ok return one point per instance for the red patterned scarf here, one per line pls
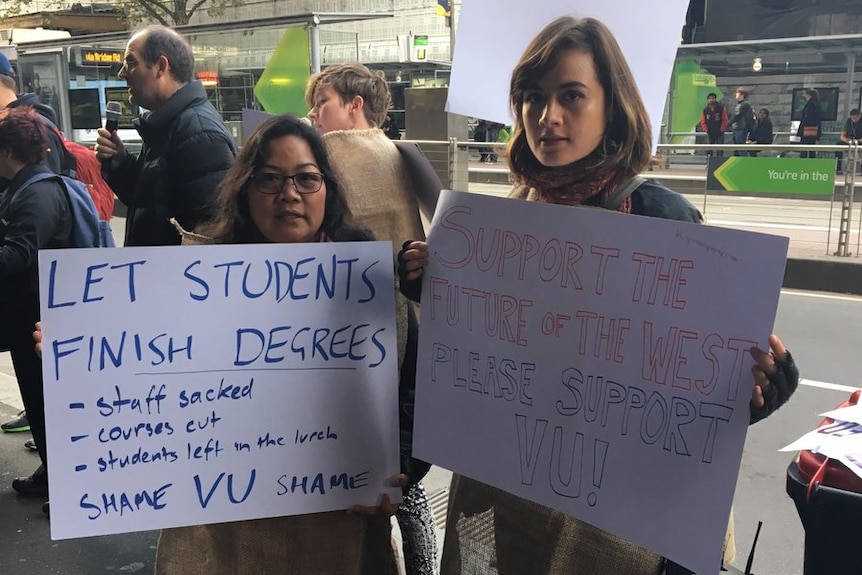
(578, 183)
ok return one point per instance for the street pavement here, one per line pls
(26, 548)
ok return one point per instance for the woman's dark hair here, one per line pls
(233, 223)
(812, 93)
(627, 141)
(23, 134)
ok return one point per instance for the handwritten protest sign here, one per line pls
(595, 362)
(203, 384)
(839, 439)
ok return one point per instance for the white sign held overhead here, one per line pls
(648, 33)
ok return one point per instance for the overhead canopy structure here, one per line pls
(311, 19)
(777, 46)
(798, 56)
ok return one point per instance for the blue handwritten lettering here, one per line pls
(124, 503)
(318, 484)
(144, 429)
(89, 281)
(204, 500)
(213, 394)
(137, 457)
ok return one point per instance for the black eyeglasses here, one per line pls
(273, 183)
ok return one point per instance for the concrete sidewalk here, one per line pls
(25, 539)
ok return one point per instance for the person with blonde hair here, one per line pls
(388, 184)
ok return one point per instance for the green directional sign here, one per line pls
(810, 176)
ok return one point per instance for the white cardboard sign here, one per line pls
(203, 384)
(492, 35)
(595, 362)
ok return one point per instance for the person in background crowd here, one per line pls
(186, 147)
(9, 98)
(32, 217)
(851, 133)
(713, 121)
(390, 128)
(581, 135)
(480, 134)
(743, 122)
(492, 134)
(809, 125)
(762, 134)
(386, 184)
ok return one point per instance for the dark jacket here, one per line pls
(186, 151)
(54, 159)
(762, 134)
(714, 121)
(810, 117)
(656, 201)
(743, 117)
(31, 219)
(852, 130)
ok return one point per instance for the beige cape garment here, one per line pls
(372, 174)
(378, 189)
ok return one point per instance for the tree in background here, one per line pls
(166, 12)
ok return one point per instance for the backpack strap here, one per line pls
(622, 193)
(86, 230)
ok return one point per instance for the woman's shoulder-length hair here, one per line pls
(233, 223)
(627, 141)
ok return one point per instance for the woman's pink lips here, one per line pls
(552, 140)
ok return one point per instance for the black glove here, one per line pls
(782, 384)
(412, 289)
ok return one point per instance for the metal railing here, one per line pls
(813, 225)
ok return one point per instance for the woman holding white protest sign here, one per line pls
(281, 189)
(581, 137)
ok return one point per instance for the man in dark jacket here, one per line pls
(186, 147)
(850, 134)
(742, 122)
(713, 121)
